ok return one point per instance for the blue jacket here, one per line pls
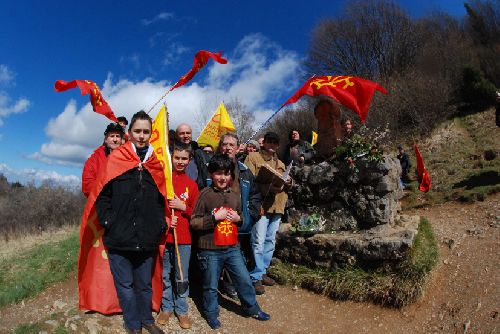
(251, 199)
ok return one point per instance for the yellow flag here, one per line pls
(314, 138)
(219, 124)
(159, 140)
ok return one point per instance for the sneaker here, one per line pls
(184, 321)
(214, 323)
(262, 316)
(259, 288)
(153, 329)
(163, 317)
(266, 280)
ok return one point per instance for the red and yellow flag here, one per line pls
(352, 92)
(423, 174)
(159, 140)
(96, 289)
(99, 105)
(219, 124)
(200, 60)
(225, 232)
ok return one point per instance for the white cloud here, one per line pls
(6, 75)
(37, 176)
(7, 108)
(134, 60)
(259, 73)
(173, 53)
(163, 16)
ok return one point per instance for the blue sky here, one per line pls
(135, 50)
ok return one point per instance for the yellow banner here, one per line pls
(314, 138)
(159, 140)
(219, 124)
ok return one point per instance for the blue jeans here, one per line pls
(263, 243)
(211, 264)
(172, 301)
(132, 277)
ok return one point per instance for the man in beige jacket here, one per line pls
(273, 207)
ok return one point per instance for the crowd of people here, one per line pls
(219, 230)
(223, 219)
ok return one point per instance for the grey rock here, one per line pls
(59, 304)
(371, 195)
(383, 243)
(52, 323)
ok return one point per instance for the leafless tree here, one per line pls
(483, 25)
(242, 118)
(373, 39)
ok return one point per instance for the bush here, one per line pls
(30, 209)
(476, 89)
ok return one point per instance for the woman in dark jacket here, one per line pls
(130, 208)
(297, 150)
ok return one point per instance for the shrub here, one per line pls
(30, 209)
(476, 89)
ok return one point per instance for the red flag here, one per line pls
(200, 60)
(96, 289)
(352, 92)
(99, 105)
(423, 175)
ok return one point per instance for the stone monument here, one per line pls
(328, 115)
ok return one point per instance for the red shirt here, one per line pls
(187, 190)
(94, 163)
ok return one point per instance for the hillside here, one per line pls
(463, 158)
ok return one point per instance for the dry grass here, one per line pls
(24, 243)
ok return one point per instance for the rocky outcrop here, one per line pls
(348, 198)
(379, 245)
(355, 211)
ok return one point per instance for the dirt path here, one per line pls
(463, 295)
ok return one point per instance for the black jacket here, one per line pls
(304, 149)
(131, 210)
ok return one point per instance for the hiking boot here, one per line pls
(229, 290)
(214, 323)
(153, 329)
(262, 316)
(163, 318)
(259, 288)
(184, 321)
(266, 280)
(132, 331)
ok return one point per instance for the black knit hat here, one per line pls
(271, 136)
(114, 127)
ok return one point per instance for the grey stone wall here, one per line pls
(359, 212)
(348, 199)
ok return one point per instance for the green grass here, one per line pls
(27, 274)
(41, 326)
(28, 329)
(396, 287)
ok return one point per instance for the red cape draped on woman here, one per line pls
(95, 283)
